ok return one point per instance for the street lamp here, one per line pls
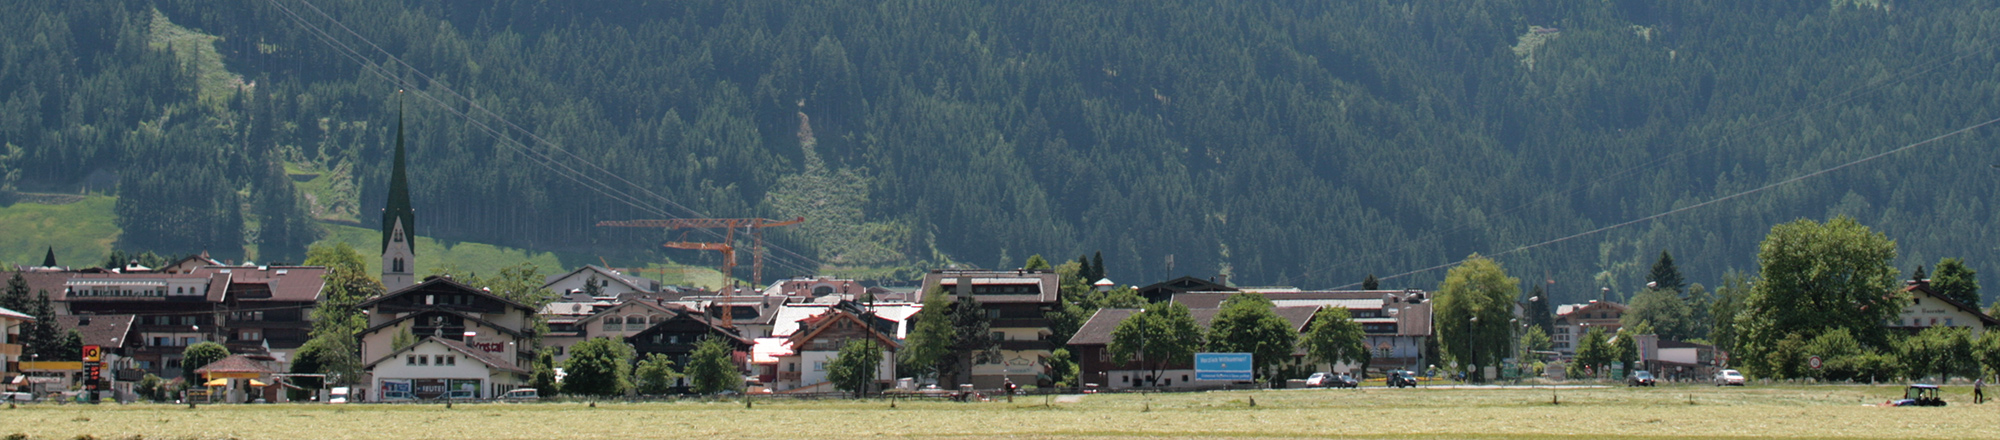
(1471, 356)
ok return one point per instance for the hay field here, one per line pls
(1666, 412)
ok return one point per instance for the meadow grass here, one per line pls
(81, 232)
(1664, 412)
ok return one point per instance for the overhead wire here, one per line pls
(555, 164)
(530, 134)
(1740, 194)
(1870, 87)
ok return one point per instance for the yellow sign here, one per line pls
(51, 366)
(92, 353)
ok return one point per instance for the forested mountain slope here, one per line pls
(1287, 142)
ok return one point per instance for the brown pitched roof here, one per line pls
(287, 283)
(1413, 319)
(109, 331)
(448, 282)
(1097, 330)
(1299, 316)
(38, 282)
(1203, 300)
(234, 364)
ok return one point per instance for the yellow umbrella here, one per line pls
(258, 383)
(217, 383)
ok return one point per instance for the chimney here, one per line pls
(1222, 279)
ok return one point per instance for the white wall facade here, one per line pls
(439, 362)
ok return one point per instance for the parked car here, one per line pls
(522, 395)
(338, 395)
(1729, 377)
(1317, 380)
(1345, 381)
(1641, 378)
(1402, 378)
(1919, 395)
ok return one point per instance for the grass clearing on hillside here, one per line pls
(1665, 412)
(81, 232)
(479, 258)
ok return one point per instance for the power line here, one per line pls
(1843, 98)
(1712, 201)
(560, 166)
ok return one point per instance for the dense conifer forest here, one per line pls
(1293, 142)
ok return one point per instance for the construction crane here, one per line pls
(727, 247)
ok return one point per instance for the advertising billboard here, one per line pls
(1223, 366)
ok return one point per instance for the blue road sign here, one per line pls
(1222, 366)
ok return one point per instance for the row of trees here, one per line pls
(1826, 290)
(1165, 334)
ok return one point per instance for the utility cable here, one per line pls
(1843, 98)
(547, 161)
(1710, 201)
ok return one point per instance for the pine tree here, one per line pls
(1371, 283)
(16, 296)
(1665, 275)
(1097, 266)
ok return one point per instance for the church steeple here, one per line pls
(50, 260)
(399, 221)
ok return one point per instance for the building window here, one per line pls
(189, 341)
(675, 339)
(187, 320)
(998, 336)
(249, 335)
(398, 263)
(993, 313)
(423, 360)
(819, 366)
(409, 360)
(1947, 322)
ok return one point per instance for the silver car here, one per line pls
(1729, 377)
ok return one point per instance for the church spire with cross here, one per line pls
(399, 221)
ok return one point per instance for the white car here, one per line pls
(1319, 380)
(1729, 377)
(522, 395)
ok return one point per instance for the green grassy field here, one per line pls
(1665, 412)
(81, 232)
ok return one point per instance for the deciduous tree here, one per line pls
(656, 375)
(598, 367)
(712, 369)
(1473, 311)
(1335, 338)
(1248, 323)
(1165, 333)
(1957, 282)
(200, 355)
(854, 368)
(1812, 278)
